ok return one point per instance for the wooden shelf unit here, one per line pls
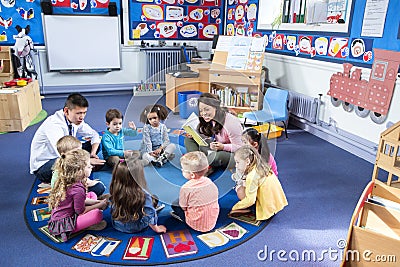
(239, 90)
(6, 70)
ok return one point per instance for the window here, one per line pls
(305, 15)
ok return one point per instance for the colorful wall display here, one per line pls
(171, 19)
(24, 13)
(242, 18)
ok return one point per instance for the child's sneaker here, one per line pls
(160, 207)
(157, 163)
(174, 215)
(98, 226)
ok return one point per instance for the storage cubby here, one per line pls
(6, 68)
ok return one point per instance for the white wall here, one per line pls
(312, 77)
(132, 71)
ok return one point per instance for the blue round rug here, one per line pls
(179, 244)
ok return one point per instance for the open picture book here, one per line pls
(190, 126)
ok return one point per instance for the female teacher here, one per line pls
(221, 128)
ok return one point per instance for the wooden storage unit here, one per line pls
(174, 85)
(18, 109)
(6, 70)
(375, 224)
(239, 86)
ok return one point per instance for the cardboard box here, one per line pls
(18, 109)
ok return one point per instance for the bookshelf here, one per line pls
(236, 74)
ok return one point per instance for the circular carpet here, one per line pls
(109, 246)
(40, 117)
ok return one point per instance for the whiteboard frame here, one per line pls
(82, 43)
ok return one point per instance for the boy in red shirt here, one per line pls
(198, 198)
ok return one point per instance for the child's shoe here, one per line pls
(160, 207)
(174, 215)
(157, 163)
(98, 226)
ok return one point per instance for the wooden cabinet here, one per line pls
(174, 85)
(238, 90)
(6, 68)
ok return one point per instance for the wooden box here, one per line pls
(18, 109)
(374, 233)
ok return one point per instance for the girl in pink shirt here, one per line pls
(198, 198)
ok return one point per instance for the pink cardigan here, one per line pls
(231, 133)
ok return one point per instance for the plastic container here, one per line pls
(187, 102)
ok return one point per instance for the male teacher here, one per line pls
(67, 121)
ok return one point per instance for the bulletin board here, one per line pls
(175, 19)
(339, 47)
(24, 13)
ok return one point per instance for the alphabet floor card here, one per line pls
(87, 243)
(39, 200)
(245, 217)
(214, 239)
(97, 245)
(233, 231)
(139, 248)
(105, 247)
(178, 243)
(41, 214)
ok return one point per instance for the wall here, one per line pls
(312, 77)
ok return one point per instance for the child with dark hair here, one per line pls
(113, 139)
(132, 206)
(156, 146)
(252, 137)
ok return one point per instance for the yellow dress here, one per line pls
(265, 192)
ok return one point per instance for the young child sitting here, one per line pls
(261, 186)
(68, 143)
(252, 137)
(67, 199)
(113, 139)
(156, 147)
(198, 198)
(132, 206)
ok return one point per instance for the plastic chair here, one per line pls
(275, 108)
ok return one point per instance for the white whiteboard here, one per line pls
(82, 43)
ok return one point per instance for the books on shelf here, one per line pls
(239, 97)
(178, 243)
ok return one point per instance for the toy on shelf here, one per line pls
(371, 97)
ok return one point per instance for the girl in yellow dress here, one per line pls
(257, 184)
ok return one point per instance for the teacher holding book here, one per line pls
(222, 131)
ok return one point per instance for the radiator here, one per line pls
(160, 62)
(302, 106)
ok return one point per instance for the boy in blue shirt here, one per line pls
(113, 139)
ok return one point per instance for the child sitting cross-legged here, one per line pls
(112, 140)
(198, 198)
(132, 206)
(259, 187)
(67, 143)
(67, 200)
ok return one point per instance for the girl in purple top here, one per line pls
(222, 129)
(71, 211)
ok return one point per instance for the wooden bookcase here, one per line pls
(6, 70)
(239, 90)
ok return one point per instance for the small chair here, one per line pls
(275, 108)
